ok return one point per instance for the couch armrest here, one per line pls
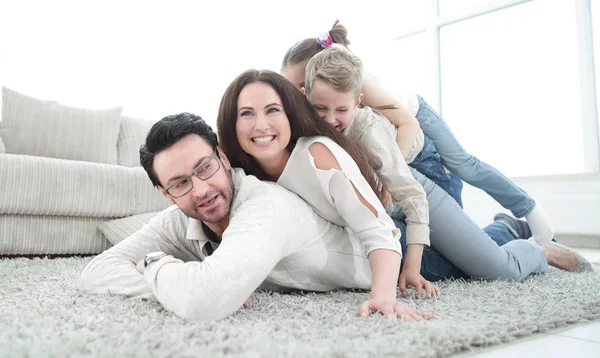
(49, 186)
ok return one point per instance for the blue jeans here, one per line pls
(429, 163)
(468, 168)
(435, 267)
(459, 248)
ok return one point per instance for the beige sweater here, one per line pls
(274, 241)
(378, 139)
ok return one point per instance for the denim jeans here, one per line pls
(459, 248)
(435, 267)
(468, 168)
(429, 163)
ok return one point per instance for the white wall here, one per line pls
(156, 58)
(572, 202)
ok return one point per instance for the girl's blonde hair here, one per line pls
(336, 66)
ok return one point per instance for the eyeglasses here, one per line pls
(205, 170)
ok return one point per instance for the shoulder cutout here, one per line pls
(324, 158)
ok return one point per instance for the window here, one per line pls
(596, 37)
(451, 8)
(405, 66)
(510, 88)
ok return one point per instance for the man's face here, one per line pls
(209, 200)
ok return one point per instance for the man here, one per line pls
(265, 235)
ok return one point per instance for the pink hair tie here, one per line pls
(325, 40)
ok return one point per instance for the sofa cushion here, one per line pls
(49, 186)
(50, 235)
(118, 230)
(2, 148)
(132, 136)
(49, 129)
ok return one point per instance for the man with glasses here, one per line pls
(227, 235)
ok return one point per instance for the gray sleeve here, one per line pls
(388, 162)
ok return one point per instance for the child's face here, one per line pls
(335, 108)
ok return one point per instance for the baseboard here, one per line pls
(582, 241)
(571, 202)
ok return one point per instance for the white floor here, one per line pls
(580, 341)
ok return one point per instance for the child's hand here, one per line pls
(412, 277)
(391, 308)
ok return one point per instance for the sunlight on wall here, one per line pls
(156, 59)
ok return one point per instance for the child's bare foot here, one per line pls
(566, 259)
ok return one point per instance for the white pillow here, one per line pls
(118, 230)
(132, 136)
(2, 148)
(49, 129)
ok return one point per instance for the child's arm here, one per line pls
(406, 124)
(411, 274)
(387, 161)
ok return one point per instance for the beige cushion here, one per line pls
(48, 186)
(49, 129)
(132, 136)
(118, 230)
(50, 235)
(2, 148)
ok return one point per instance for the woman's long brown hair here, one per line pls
(304, 122)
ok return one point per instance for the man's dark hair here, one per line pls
(169, 131)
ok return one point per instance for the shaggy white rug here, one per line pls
(45, 314)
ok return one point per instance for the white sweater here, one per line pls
(331, 194)
(274, 240)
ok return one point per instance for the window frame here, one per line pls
(587, 76)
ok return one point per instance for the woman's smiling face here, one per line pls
(262, 126)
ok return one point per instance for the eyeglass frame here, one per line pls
(194, 174)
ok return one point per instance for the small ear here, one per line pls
(359, 99)
(223, 158)
(303, 90)
(167, 196)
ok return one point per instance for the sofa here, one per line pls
(65, 172)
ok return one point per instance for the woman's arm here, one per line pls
(363, 218)
(407, 126)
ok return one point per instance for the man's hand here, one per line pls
(412, 277)
(392, 308)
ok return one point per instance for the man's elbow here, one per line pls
(199, 310)
(87, 280)
(94, 278)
